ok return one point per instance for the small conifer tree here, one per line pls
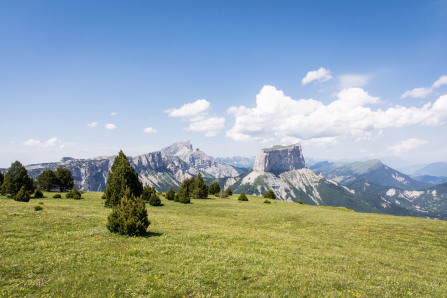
(147, 193)
(22, 195)
(154, 200)
(170, 194)
(74, 194)
(270, 194)
(47, 180)
(15, 178)
(200, 189)
(64, 179)
(228, 192)
(121, 176)
(38, 194)
(129, 217)
(214, 188)
(243, 197)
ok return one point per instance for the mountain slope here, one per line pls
(373, 171)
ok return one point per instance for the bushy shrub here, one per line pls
(38, 194)
(243, 197)
(176, 197)
(270, 194)
(267, 202)
(74, 194)
(170, 194)
(154, 200)
(22, 195)
(228, 192)
(41, 203)
(300, 202)
(38, 208)
(57, 196)
(129, 217)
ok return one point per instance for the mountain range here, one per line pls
(369, 186)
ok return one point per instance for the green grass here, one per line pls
(218, 247)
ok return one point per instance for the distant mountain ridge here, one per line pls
(373, 171)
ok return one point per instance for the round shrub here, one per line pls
(22, 195)
(40, 203)
(243, 197)
(270, 194)
(57, 196)
(38, 208)
(300, 202)
(73, 194)
(38, 194)
(228, 192)
(267, 202)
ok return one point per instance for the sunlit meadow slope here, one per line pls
(218, 247)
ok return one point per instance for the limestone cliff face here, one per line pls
(280, 159)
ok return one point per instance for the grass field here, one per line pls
(218, 247)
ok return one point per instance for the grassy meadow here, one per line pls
(218, 248)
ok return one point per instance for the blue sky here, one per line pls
(231, 76)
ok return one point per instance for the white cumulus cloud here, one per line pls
(93, 124)
(320, 75)
(110, 126)
(406, 145)
(150, 130)
(193, 110)
(197, 114)
(423, 92)
(277, 116)
(211, 126)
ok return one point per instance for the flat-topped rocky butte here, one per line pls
(280, 159)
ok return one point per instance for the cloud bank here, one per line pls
(277, 116)
(406, 145)
(51, 143)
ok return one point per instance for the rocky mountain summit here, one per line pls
(162, 169)
(280, 159)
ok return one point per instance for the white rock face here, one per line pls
(280, 159)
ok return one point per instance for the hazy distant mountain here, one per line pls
(434, 169)
(237, 161)
(373, 171)
(433, 180)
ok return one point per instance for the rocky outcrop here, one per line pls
(280, 159)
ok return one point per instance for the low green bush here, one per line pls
(38, 208)
(243, 197)
(38, 194)
(22, 195)
(267, 202)
(57, 196)
(300, 202)
(154, 200)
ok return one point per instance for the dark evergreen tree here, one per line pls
(64, 179)
(154, 200)
(243, 197)
(185, 191)
(1, 179)
(270, 194)
(47, 180)
(200, 189)
(228, 192)
(214, 188)
(129, 216)
(15, 178)
(121, 176)
(170, 194)
(147, 193)
(22, 195)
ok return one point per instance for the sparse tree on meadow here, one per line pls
(15, 178)
(200, 190)
(154, 200)
(64, 179)
(47, 180)
(170, 194)
(243, 197)
(129, 216)
(121, 176)
(147, 193)
(270, 194)
(214, 188)
(228, 192)
(185, 191)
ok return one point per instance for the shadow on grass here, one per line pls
(151, 234)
